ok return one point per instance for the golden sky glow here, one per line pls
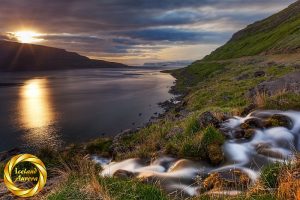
(27, 36)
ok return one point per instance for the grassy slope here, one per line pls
(279, 33)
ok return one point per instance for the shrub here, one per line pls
(211, 145)
(269, 175)
(212, 136)
(192, 126)
(100, 146)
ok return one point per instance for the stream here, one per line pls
(267, 145)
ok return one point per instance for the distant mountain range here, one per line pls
(16, 56)
(170, 64)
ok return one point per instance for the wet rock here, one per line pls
(123, 174)
(207, 118)
(252, 123)
(248, 109)
(249, 133)
(259, 74)
(173, 132)
(269, 153)
(265, 149)
(238, 133)
(180, 164)
(278, 120)
(215, 154)
(8, 154)
(227, 180)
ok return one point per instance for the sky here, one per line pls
(133, 31)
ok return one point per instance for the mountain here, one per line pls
(26, 57)
(277, 34)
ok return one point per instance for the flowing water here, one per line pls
(279, 143)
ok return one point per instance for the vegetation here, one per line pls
(220, 84)
(277, 34)
(81, 181)
(270, 174)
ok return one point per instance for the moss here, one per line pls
(270, 174)
(215, 154)
(211, 135)
(211, 145)
(100, 146)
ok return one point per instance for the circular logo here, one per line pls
(11, 167)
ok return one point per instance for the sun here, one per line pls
(27, 36)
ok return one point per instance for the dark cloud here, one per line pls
(123, 26)
(175, 35)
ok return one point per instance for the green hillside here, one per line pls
(277, 34)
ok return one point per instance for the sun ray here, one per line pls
(27, 36)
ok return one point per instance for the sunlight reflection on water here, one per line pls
(36, 114)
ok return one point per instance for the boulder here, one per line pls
(259, 74)
(278, 120)
(252, 123)
(215, 154)
(288, 83)
(249, 133)
(123, 174)
(207, 118)
(227, 180)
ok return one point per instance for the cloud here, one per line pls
(176, 35)
(123, 27)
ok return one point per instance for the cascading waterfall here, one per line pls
(267, 145)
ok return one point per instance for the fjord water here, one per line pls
(57, 107)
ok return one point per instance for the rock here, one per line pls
(249, 133)
(242, 77)
(215, 154)
(278, 120)
(252, 123)
(266, 151)
(248, 109)
(238, 133)
(259, 74)
(288, 83)
(8, 154)
(173, 132)
(181, 164)
(123, 174)
(207, 118)
(227, 180)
